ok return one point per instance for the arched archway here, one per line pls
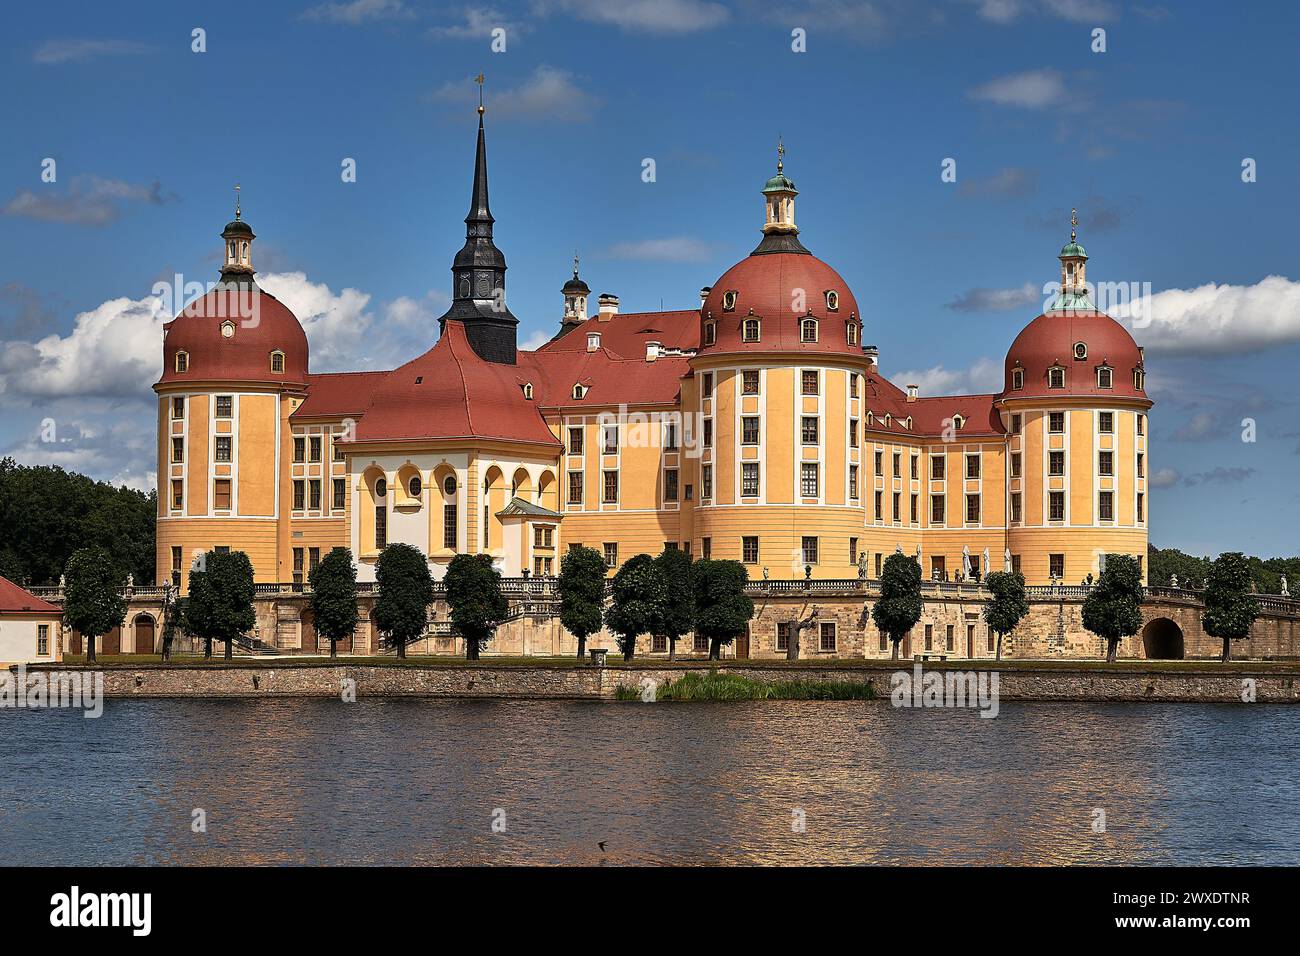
(143, 625)
(1162, 639)
(547, 491)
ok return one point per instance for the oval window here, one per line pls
(449, 485)
(1080, 351)
(416, 486)
(381, 487)
(729, 300)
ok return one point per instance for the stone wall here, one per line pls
(1170, 682)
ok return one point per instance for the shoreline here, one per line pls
(563, 679)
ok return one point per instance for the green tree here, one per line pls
(92, 599)
(477, 605)
(47, 513)
(1113, 608)
(1230, 608)
(220, 604)
(173, 622)
(1009, 605)
(676, 613)
(582, 594)
(722, 608)
(405, 593)
(334, 597)
(899, 606)
(636, 601)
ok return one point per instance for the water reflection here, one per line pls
(417, 781)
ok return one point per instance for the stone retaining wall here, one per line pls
(600, 683)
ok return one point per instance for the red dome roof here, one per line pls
(259, 324)
(1051, 340)
(767, 284)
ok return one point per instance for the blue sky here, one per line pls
(1147, 139)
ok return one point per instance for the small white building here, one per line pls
(30, 629)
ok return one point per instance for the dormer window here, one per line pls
(889, 419)
(710, 333)
(832, 301)
(907, 423)
(1104, 377)
(750, 330)
(1080, 351)
(1056, 377)
(729, 300)
(579, 390)
(182, 361)
(277, 362)
(958, 422)
(808, 330)
(851, 332)
(593, 341)
(1139, 378)
(1017, 378)
(871, 419)
(528, 391)
(227, 330)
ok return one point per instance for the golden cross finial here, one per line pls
(479, 80)
(575, 263)
(236, 200)
(1074, 221)
(780, 154)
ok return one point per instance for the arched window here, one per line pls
(1104, 377)
(1139, 378)
(579, 391)
(277, 362)
(851, 332)
(182, 361)
(710, 333)
(528, 391)
(1017, 378)
(808, 330)
(1056, 377)
(750, 330)
(958, 422)
(729, 300)
(244, 250)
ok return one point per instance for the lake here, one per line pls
(407, 781)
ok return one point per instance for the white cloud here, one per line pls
(1164, 478)
(644, 16)
(984, 376)
(672, 249)
(997, 300)
(548, 94)
(1218, 319)
(358, 11)
(78, 50)
(1033, 90)
(88, 200)
(476, 22)
(1075, 11)
(116, 445)
(536, 340)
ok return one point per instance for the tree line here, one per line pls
(670, 595)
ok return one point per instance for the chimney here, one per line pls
(872, 353)
(608, 304)
(593, 340)
(651, 351)
(911, 393)
(704, 293)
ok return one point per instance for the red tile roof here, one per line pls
(338, 394)
(928, 415)
(449, 392)
(16, 601)
(625, 335)
(1050, 339)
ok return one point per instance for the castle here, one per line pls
(757, 427)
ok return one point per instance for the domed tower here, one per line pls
(1075, 407)
(234, 368)
(575, 293)
(779, 378)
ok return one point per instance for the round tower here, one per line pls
(234, 368)
(1075, 407)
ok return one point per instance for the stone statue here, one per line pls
(965, 561)
(984, 568)
(1006, 560)
(1286, 592)
(1173, 580)
(862, 566)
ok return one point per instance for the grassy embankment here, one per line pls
(715, 686)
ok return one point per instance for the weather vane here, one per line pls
(1074, 221)
(479, 80)
(236, 200)
(780, 153)
(575, 263)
